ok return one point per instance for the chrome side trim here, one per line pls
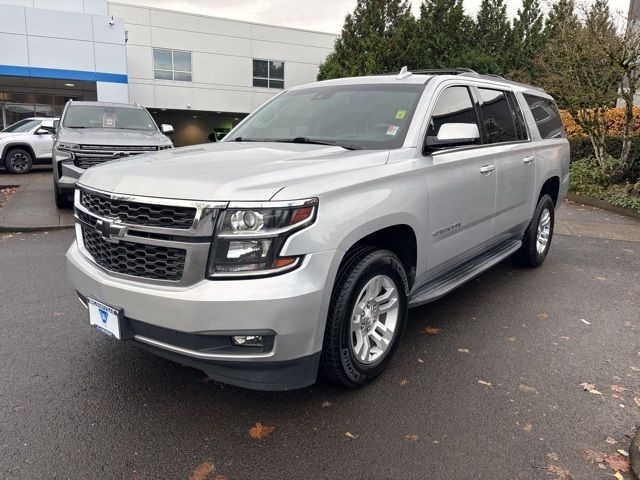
(201, 355)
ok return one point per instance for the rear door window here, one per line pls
(547, 117)
(497, 116)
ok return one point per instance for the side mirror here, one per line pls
(454, 135)
(166, 129)
(43, 131)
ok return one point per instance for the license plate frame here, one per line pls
(105, 318)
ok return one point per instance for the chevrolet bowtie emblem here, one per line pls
(108, 231)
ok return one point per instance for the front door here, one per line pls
(43, 143)
(461, 184)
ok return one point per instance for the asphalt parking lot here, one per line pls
(490, 390)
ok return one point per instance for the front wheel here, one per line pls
(18, 160)
(366, 318)
(537, 237)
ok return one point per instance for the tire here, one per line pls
(342, 361)
(18, 160)
(532, 253)
(62, 200)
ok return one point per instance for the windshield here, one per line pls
(22, 126)
(365, 116)
(100, 116)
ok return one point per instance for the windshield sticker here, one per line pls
(108, 121)
(400, 115)
(392, 130)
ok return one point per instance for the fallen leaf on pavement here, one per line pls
(553, 456)
(637, 400)
(404, 381)
(565, 338)
(584, 321)
(58, 314)
(413, 438)
(617, 388)
(600, 278)
(635, 369)
(202, 471)
(482, 382)
(511, 339)
(613, 461)
(326, 404)
(618, 476)
(527, 427)
(591, 388)
(431, 330)
(526, 388)
(350, 435)
(610, 440)
(616, 396)
(260, 431)
(559, 472)
(420, 360)
(543, 315)
(623, 452)
(463, 350)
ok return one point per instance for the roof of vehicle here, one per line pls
(423, 76)
(40, 118)
(106, 104)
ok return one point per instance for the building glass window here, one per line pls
(268, 73)
(171, 65)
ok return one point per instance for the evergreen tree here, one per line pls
(492, 35)
(527, 40)
(442, 38)
(376, 38)
(562, 15)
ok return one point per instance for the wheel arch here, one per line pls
(10, 146)
(551, 187)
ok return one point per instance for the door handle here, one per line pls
(528, 160)
(487, 169)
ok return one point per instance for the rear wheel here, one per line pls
(537, 237)
(18, 160)
(366, 318)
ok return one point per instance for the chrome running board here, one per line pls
(442, 285)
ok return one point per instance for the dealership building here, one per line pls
(202, 74)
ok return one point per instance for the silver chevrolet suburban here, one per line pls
(298, 243)
(91, 133)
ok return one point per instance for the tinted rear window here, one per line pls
(497, 116)
(546, 116)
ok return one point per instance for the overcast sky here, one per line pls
(322, 15)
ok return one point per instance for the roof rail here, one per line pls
(445, 71)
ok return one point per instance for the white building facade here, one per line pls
(202, 74)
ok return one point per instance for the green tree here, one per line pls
(583, 80)
(442, 36)
(561, 16)
(492, 36)
(376, 38)
(527, 40)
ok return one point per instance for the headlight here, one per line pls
(248, 240)
(67, 147)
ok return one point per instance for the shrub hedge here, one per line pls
(581, 147)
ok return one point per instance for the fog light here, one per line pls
(248, 340)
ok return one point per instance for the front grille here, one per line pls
(138, 213)
(140, 260)
(87, 156)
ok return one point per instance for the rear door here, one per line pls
(513, 153)
(461, 183)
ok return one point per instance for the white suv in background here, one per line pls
(26, 143)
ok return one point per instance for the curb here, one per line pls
(596, 202)
(634, 454)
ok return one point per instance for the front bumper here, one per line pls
(67, 174)
(291, 307)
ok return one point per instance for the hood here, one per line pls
(4, 135)
(226, 171)
(111, 136)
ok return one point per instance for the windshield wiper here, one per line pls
(317, 141)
